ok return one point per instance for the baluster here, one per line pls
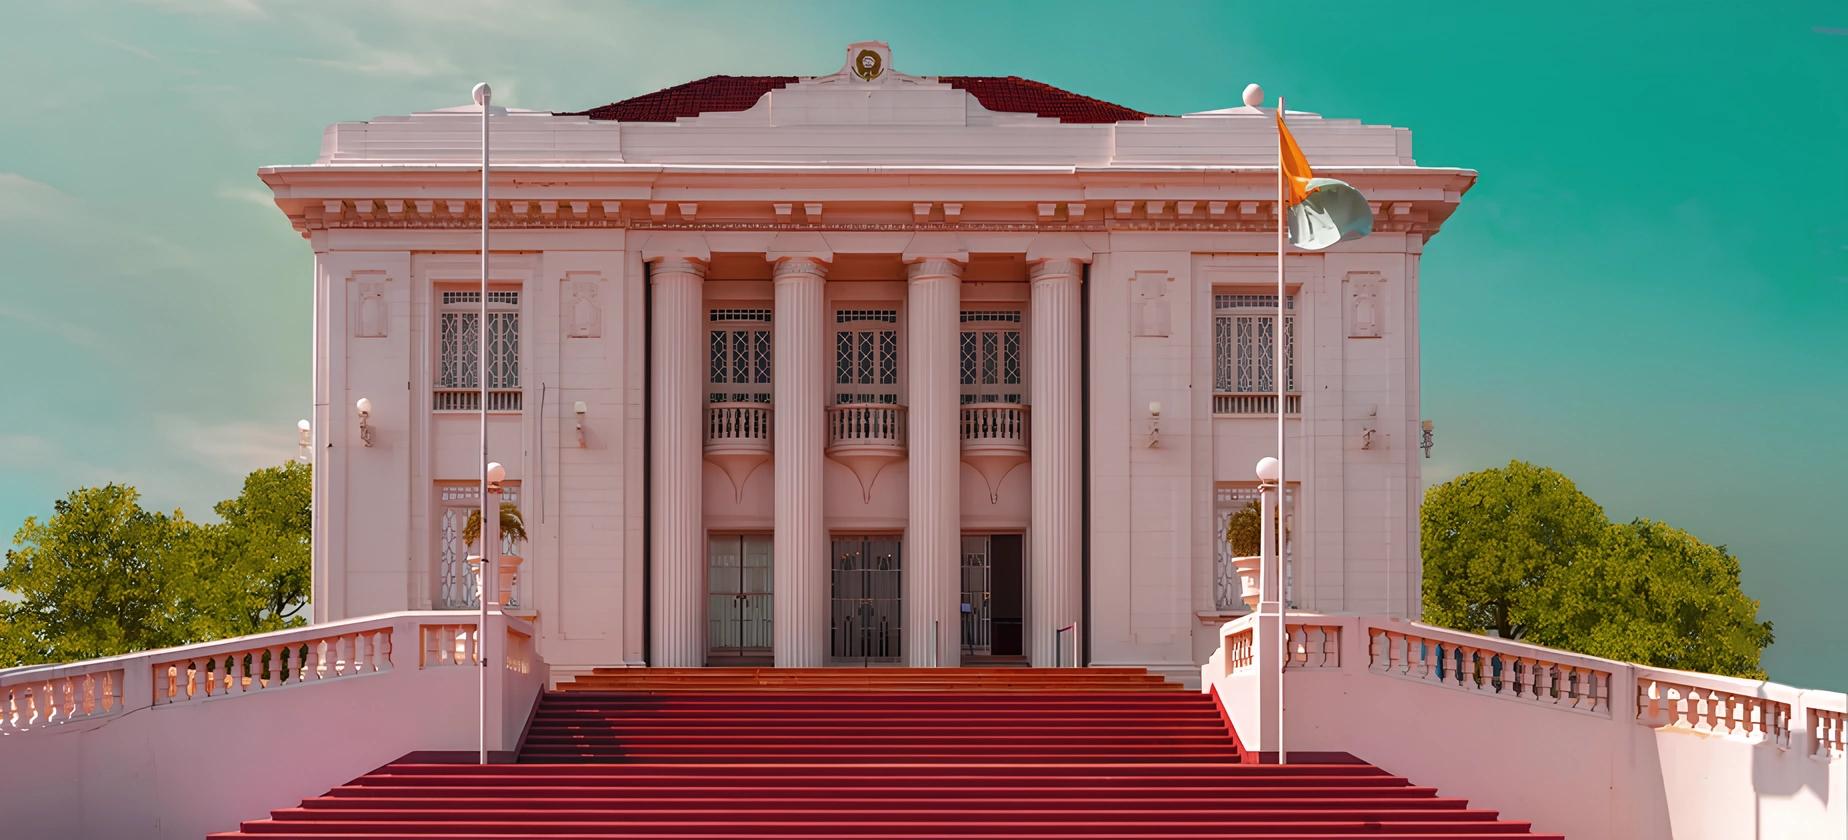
(310, 668)
(237, 673)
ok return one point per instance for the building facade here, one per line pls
(863, 367)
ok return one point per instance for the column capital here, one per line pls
(926, 268)
(678, 264)
(791, 265)
(1054, 268)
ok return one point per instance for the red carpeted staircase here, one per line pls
(970, 754)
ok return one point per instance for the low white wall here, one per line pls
(1744, 762)
(190, 766)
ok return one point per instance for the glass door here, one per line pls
(867, 606)
(738, 601)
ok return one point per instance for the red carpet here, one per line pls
(972, 754)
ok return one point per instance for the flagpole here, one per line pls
(483, 95)
(1277, 376)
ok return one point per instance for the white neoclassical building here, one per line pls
(860, 367)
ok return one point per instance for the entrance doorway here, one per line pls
(867, 605)
(992, 602)
(738, 606)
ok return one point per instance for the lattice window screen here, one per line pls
(458, 371)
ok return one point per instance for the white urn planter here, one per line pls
(1248, 569)
(509, 570)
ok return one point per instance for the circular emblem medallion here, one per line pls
(868, 65)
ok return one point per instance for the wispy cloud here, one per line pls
(248, 195)
(234, 9)
(25, 199)
(70, 331)
(227, 447)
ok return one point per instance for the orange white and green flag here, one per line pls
(1322, 211)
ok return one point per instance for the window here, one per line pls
(458, 583)
(458, 377)
(1229, 499)
(738, 342)
(1244, 342)
(991, 369)
(866, 356)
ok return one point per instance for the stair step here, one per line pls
(989, 753)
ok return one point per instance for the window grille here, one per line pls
(990, 355)
(849, 316)
(458, 379)
(990, 316)
(738, 352)
(760, 316)
(866, 356)
(1229, 499)
(458, 584)
(1244, 342)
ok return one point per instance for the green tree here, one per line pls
(250, 572)
(1490, 540)
(95, 579)
(1653, 593)
(1521, 552)
(102, 576)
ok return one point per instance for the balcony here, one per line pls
(994, 441)
(738, 439)
(865, 437)
(1241, 404)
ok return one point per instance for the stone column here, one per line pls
(800, 576)
(676, 416)
(932, 560)
(1054, 359)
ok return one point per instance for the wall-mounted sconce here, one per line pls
(581, 410)
(1154, 424)
(304, 438)
(1427, 443)
(364, 408)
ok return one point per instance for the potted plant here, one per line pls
(1244, 532)
(513, 529)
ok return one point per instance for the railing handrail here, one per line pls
(238, 643)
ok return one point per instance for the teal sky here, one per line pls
(1647, 289)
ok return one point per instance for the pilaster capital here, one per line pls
(677, 266)
(927, 268)
(935, 254)
(798, 266)
(1055, 268)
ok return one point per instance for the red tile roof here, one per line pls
(715, 94)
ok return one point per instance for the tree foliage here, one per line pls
(1520, 551)
(1244, 530)
(103, 576)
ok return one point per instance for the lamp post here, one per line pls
(1271, 604)
(490, 516)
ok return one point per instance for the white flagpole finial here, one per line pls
(482, 93)
(1254, 95)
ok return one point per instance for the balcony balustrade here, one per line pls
(994, 441)
(739, 439)
(866, 437)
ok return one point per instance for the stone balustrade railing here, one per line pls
(41, 697)
(738, 425)
(1492, 666)
(1685, 700)
(1560, 741)
(1828, 733)
(866, 424)
(58, 696)
(994, 425)
(270, 661)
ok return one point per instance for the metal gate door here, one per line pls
(977, 595)
(867, 605)
(738, 597)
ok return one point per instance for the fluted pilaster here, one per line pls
(1053, 352)
(800, 576)
(933, 553)
(675, 414)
